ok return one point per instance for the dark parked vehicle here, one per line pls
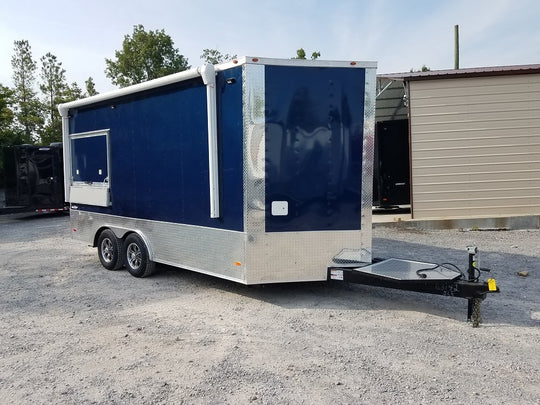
(391, 185)
(34, 178)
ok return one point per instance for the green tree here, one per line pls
(424, 68)
(215, 57)
(90, 87)
(8, 136)
(28, 111)
(53, 86)
(144, 56)
(56, 90)
(72, 92)
(301, 54)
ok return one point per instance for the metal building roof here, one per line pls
(460, 73)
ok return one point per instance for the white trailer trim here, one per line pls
(91, 195)
(208, 75)
(136, 88)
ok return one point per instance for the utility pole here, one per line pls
(456, 47)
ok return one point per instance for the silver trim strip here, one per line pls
(67, 156)
(306, 62)
(367, 164)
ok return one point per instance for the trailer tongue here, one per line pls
(441, 279)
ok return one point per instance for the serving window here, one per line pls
(90, 180)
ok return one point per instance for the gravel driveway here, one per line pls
(75, 333)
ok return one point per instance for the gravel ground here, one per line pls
(74, 333)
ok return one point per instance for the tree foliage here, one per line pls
(424, 68)
(7, 116)
(53, 86)
(144, 56)
(301, 54)
(7, 136)
(25, 116)
(73, 92)
(90, 87)
(28, 110)
(56, 90)
(215, 57)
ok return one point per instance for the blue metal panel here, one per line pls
(89, 159)
(314, 131)
(159, 152)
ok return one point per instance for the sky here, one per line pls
(398, 35)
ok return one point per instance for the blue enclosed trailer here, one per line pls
(258, 171)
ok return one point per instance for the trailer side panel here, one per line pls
(159, 153)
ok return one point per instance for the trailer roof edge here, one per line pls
(136, 88)
(309, 62)
(195, 72)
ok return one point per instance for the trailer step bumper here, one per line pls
(403, 270)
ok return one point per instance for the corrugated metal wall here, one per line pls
(390, 104)
(475, 146)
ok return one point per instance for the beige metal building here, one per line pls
(474, 140)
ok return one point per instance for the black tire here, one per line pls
(110, 250)
(136, 256)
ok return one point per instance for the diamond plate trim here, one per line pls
(180, 245)
(367, 164)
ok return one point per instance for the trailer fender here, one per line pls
(146, 242)
(122, 233)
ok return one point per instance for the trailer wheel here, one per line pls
(136, 256)
(110, 250)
